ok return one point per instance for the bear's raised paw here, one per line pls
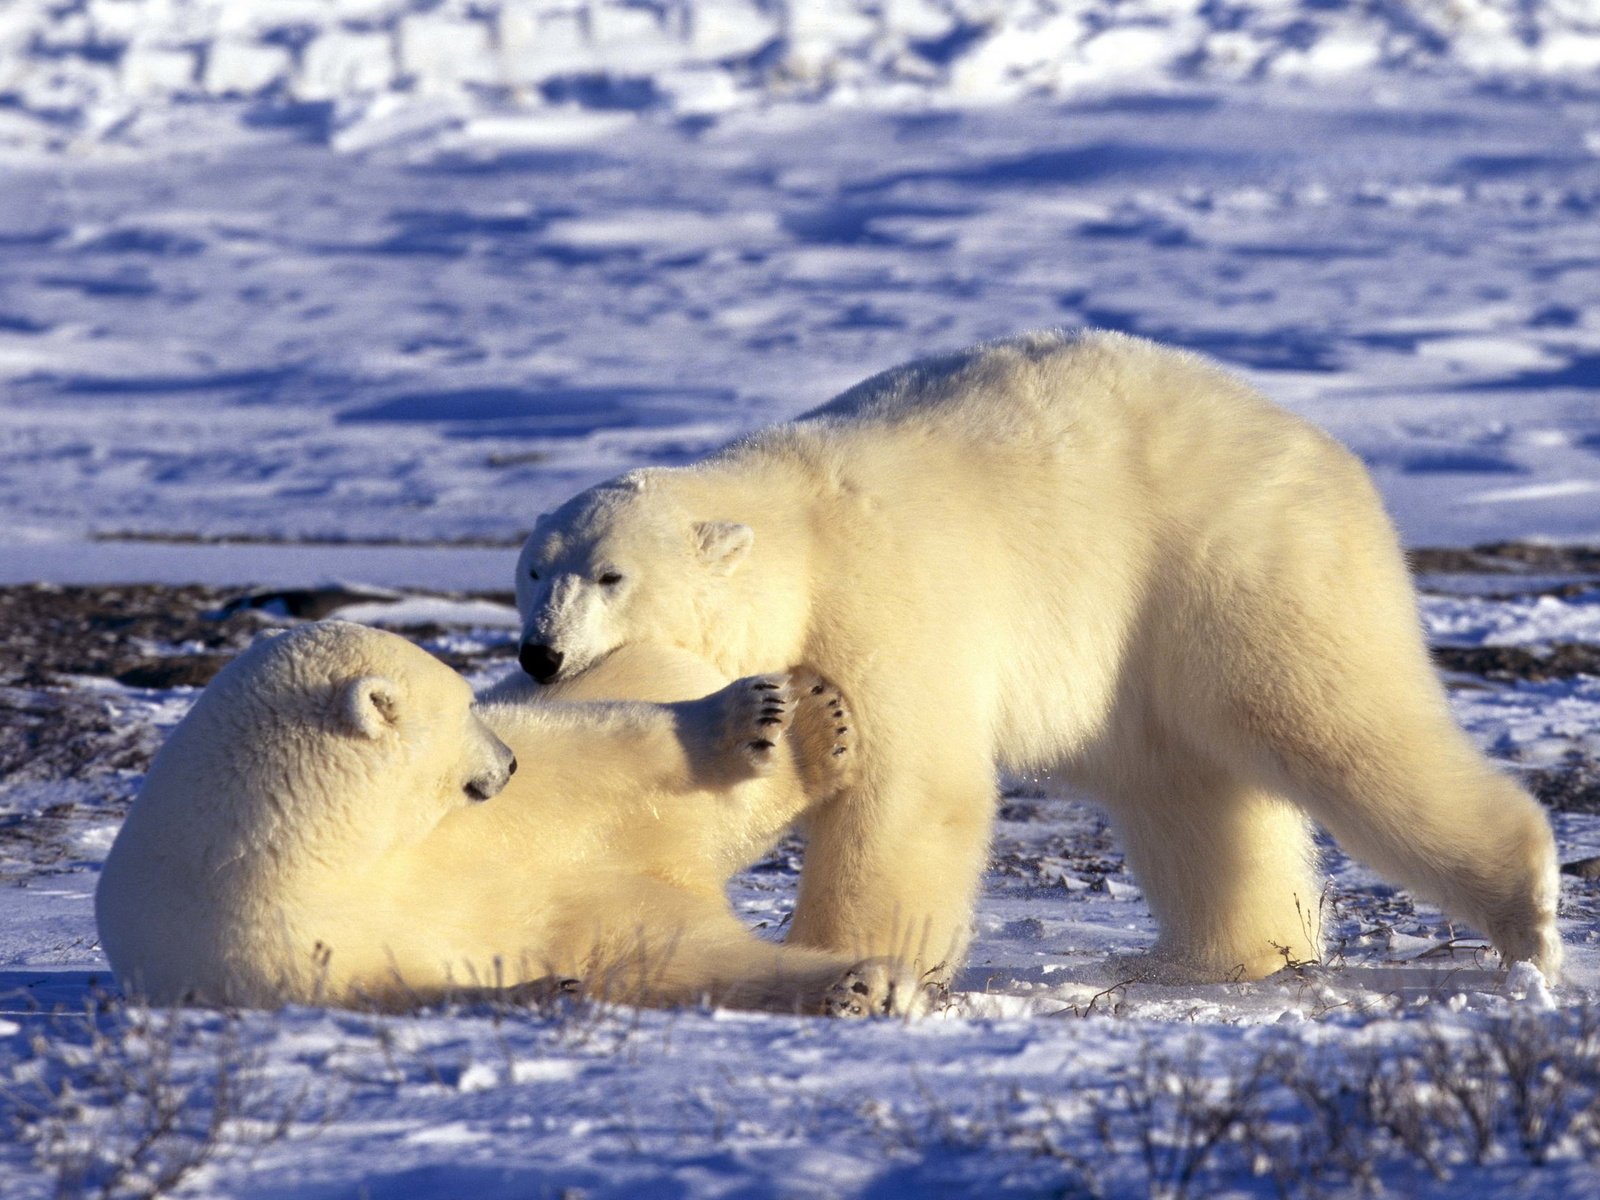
(756, 716)
(823, 735)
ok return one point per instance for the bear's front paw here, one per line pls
(823, 735)
(756, 715)
(880, 987)
(546, 991)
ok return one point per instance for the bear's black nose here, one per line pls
(543, 663)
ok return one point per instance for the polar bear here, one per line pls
(1085, 558)
(336, 821)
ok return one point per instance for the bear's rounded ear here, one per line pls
(722, 545)
(369, 706)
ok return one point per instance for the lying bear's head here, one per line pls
(619, 563)
(310, 758)
(331, 734)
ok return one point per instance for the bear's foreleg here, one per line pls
(894, 861)
(583, 748)
(690, 950)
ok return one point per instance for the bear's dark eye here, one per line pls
(532, 574)
(610, 579)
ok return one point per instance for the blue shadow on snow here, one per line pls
(552, 412)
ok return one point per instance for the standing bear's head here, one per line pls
(622, 563)
(309, 758)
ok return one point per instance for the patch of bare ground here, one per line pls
(1496, 570)
(144, 635)
(1506, 558)
(61, 725)
(1508, 664)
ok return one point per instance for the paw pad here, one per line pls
(756, 718)
(823, 733)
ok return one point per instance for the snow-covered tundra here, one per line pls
(335, 820)
(1087, 558)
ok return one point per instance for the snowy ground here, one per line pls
(1047, 1075)
(437, 341)
(414, 323)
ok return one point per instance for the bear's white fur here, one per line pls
(1084, 557)
(317, 829)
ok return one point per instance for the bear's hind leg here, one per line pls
(1323, 686)
(1227, 871)
(1419, 804)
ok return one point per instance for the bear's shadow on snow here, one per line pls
(252, 385)
(565, 412)
(1055, 166)
(1447, 462)
(51, 989)
(1094, 985)
(126, 283)
(1520, 167)
(1581, 373)
(452, 232)
(861, 222)
(511, 162)
(485, 1183)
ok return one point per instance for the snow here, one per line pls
(1513, 621)
(86, 73)
(398, 276)
(368, 343)
(71, 560)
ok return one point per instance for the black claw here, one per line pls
(761, 744)
(840, 751)
(818, 690)
(767, 687)
(770, 721)
(842, 729)
(860, 987)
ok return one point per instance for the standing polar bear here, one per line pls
(1086, 558)
(336, 821)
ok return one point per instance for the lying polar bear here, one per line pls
(1084, 558)
(335, 821)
